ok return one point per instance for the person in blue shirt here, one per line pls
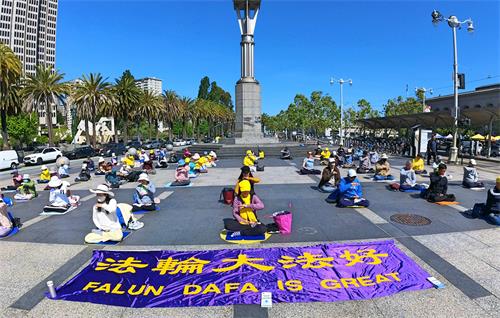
(308, 165)
(350, 192)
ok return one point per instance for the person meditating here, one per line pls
(44, 175)
(63, 171)
(6, 224)
(250, 161)
(59, 202)
(364, 163)
(437, 191)
(90, 163)
(104, 215)
(246, 174)
(84, 174)
(144, 195)
(181, 174)
(308, 165)
(245, 207)
(17, 179)
(285, 154)
(330, 177)
(27, 189)
(471, 176)
(418, 164)
(383, 169)
(408, 178)
(490, 209)
(101, 167)
(350, 192)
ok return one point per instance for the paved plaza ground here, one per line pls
(463, 253)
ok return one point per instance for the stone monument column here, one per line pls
(248, 101)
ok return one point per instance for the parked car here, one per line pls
(155, 144)
(80, 152)
(179, 142)
(109, 149)
(47, 154)
(8, 159)
(134, 144)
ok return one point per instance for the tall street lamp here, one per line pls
(454, 23)
(424, 91)
(341, 82)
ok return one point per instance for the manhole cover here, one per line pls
(410, 219)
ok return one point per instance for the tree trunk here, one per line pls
(87, 134)
(157, 125)
(94, 130)
(170, 131)
(125, 130)
(5, 135)
(184, 129)
(48, 121)
(149, 130)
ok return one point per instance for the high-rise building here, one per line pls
(28, 27)
(150, 84)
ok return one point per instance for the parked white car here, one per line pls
(8, 159)
(47, 154)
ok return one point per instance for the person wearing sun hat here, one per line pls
(144, 199)
(383, 169)
(471, 176)
(44, 174)
(58, 200)
(27, 189)
(245, 207)
(181, 174)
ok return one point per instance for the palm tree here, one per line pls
(172, 110)
(10, 74)
(127, 98)
(150, 108)
(185, 113)
(44, 89)
(90, 95)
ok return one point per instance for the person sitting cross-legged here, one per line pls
(285, 154)
(245, 207)
(408, 178)
(58, 200)
(144, 199)
(27, 189)
(63, 171)
(181, 174)
(383, 169)
(108, 216)
(418, 164)
(350, 192)
(44, 175)
(364, 163)
(330, 177)
(490, 209)
(250, 160)
(438, 188)
(17, 179)
(246, 174)
(308, 165)
(471, 177)
(84, 174)
(6, 224)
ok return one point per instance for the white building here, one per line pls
(28, 27)
(150, 84)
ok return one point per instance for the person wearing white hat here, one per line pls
(383, 169)
(84, 174)
(63, 171)
(349, 193)
(114, 159)
(58, 200)
(101, 167)
(27, 189)
(44, 175)
(144, 199)
(110, 217)
(471, 176)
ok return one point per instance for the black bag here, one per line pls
(260, 168)
(17, 223)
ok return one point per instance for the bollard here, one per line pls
(52, 290)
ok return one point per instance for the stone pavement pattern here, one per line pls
(465, 251)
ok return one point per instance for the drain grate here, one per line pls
(410, 219)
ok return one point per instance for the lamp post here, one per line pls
(341, 82)
(454, 23)
(423, 90)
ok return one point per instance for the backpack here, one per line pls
(260, 168)
(227, 196)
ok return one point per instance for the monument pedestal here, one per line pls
(248, 126)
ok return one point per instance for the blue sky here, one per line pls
(381, 45)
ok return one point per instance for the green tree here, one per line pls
(23, 128)
(91, 94)
(10, 74)
(46, 88)
(172, 111)
(203, 89)
(151, 107)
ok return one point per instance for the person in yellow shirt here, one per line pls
(246, 174)
(325, 154)
(129, 161)
(418, 165)
(250, 161)
(44, 175)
